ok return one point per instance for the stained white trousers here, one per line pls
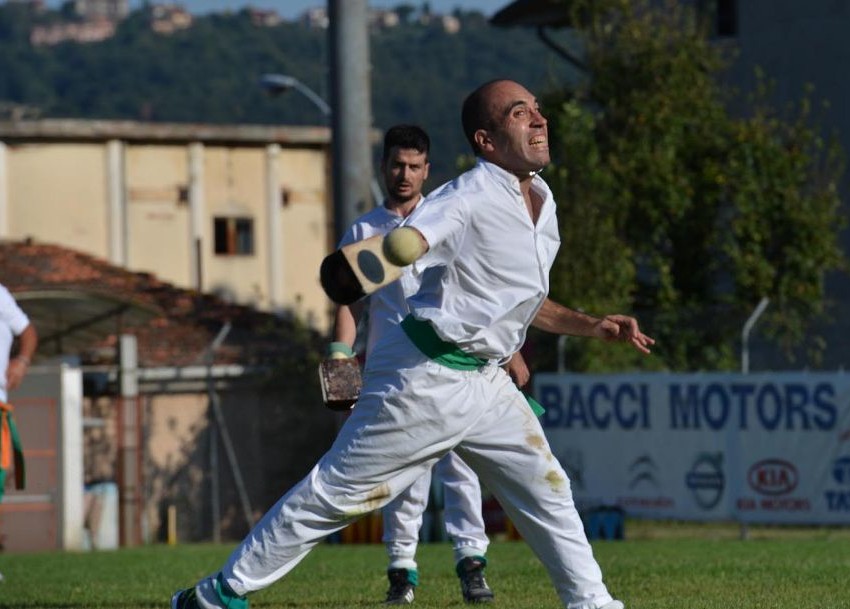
(402, 517)
(412, 412)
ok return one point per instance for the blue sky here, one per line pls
(290, 9)
(293, 8)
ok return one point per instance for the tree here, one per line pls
(677, 209)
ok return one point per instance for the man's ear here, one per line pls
(483, 140)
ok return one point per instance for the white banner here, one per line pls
(758, 448)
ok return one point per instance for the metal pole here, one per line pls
(352, 117)
(744, 532)
(562, 349)
(745, 333)
(277, 83)
(217, 424)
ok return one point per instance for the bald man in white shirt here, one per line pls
(434, 383)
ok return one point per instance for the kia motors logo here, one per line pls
(772, 477)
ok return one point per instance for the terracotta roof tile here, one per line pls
(177, 328)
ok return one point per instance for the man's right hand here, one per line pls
(16, 372)
(518, 369)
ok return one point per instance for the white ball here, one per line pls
(403, 246)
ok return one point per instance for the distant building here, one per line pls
(450, 23)
(316, 18)
(383, 19)
(93, 30)
(148, 439)
(241, 211)
(115, 10)
(264, 18)
(169, 18)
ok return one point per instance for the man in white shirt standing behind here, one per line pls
(404, 169)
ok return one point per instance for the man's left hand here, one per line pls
(623, 328)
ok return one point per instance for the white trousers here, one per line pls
(411, 413)
(402, 517)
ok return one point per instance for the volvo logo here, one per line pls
(706, 481)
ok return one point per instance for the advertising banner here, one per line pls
(757, 448)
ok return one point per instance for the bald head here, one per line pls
(477, 112)
(503, 124)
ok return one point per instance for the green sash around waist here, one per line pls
(422, 334)
(424, 337)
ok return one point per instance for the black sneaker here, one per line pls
(209, 593)
(184, 599)
(402, 584)
(474, 587)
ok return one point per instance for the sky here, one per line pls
(291, 9)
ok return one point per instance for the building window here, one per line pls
(233, 236)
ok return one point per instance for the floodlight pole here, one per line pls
(345, 211)
(745, 368)
(351, 98)
(745, 333)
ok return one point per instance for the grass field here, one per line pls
(658, 567)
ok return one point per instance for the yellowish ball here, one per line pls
(403, 246)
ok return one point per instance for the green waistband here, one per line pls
(447, 354)
(423, 336)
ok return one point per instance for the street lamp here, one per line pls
(276, 84)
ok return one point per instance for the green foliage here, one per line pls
(210, 72)
(677, 210)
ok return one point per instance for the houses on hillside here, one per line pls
(87, 21)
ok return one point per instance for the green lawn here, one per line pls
(658, 567)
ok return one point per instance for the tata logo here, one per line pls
(841, 471)
(773, 477)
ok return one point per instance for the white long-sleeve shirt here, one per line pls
(486, 273)
(387, 306)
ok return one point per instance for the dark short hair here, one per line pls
(476, 113)
(406, 136)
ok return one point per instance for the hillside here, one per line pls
(209, 72)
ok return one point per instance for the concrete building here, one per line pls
(243, 212)
(155, 401)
